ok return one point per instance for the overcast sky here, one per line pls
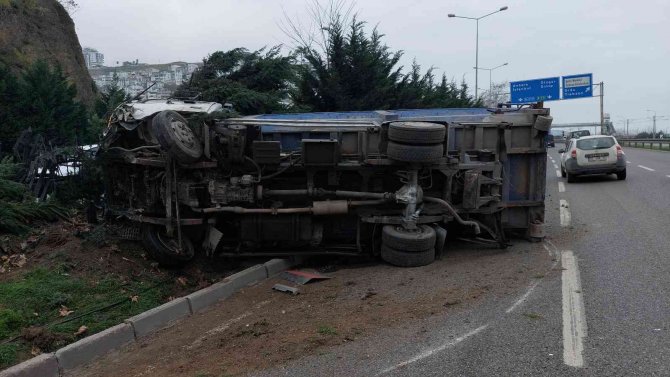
(624, 43)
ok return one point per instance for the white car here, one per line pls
(598, 154)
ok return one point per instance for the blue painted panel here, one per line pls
(291, 140)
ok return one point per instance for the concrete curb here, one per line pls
(44, 365)
(143, 324)
(159, 317)
(87, 349)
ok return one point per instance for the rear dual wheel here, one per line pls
(408, 248)
(416, 142)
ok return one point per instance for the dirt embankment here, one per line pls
(260, 328)
(42, 29)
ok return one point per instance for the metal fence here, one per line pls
(659, 144)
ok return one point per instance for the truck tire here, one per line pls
(176, 137)
(414, 153)
(621, 175)
(417, 132)
(407, 259)
(397, 237)
(164, 249)
(571, 177)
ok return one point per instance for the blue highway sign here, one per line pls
(578, 86)
(527, 91)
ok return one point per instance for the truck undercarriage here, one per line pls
(381, 183)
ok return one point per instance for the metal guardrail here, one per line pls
(659, 144)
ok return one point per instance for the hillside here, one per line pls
(42, 29)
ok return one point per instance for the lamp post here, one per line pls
(491, 74)
(653, 133)
(451, 15)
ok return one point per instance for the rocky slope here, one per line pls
(42, 29)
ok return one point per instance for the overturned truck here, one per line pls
(388, 183)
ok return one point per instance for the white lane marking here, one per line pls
(668, 175)
(558, 173)
(645, 168)
(522, 298)
(561, 186)
(555, 166)
(433, 351)
(628, 162)
(565, 213)
(574, 319)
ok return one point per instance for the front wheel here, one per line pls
(164, 249)
(562, 172)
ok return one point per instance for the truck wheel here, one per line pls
(408, 259)
(414, 153)
(399, 238)
(571, 178)
(621, 175)
(562, 172)
(176, 137)
(417, 132)
(165, 250)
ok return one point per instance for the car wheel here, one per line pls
(571, 177)
(399, 238)
(621, 175)
(414, 153)
(164, 249)
(562, 172)
(408, 259)
(417, 132)
(176, 137)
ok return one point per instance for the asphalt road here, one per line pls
(612, 237)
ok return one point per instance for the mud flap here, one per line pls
(440, 240)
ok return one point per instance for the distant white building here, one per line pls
(135, 77)
(93, 58)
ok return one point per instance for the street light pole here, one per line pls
(653, 132)
(476, 19)
(490, 74)
(477, 61)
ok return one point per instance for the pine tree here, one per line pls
(254, 82)
(10, 126)
(46, 104)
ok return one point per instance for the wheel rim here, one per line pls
(183, 133)
(171, 244)
(400, 229)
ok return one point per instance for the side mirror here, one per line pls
(561, 151)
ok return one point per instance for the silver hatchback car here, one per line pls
(598, 154)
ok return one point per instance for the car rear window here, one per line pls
(595, 143)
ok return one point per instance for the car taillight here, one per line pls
(573, 153)
(619, 151)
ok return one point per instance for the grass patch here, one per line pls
(36, 298)
(326, 330)
(8, 354)
(533, 315)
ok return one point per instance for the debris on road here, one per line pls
(303, 277)
(368, 294)
(285, 288)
